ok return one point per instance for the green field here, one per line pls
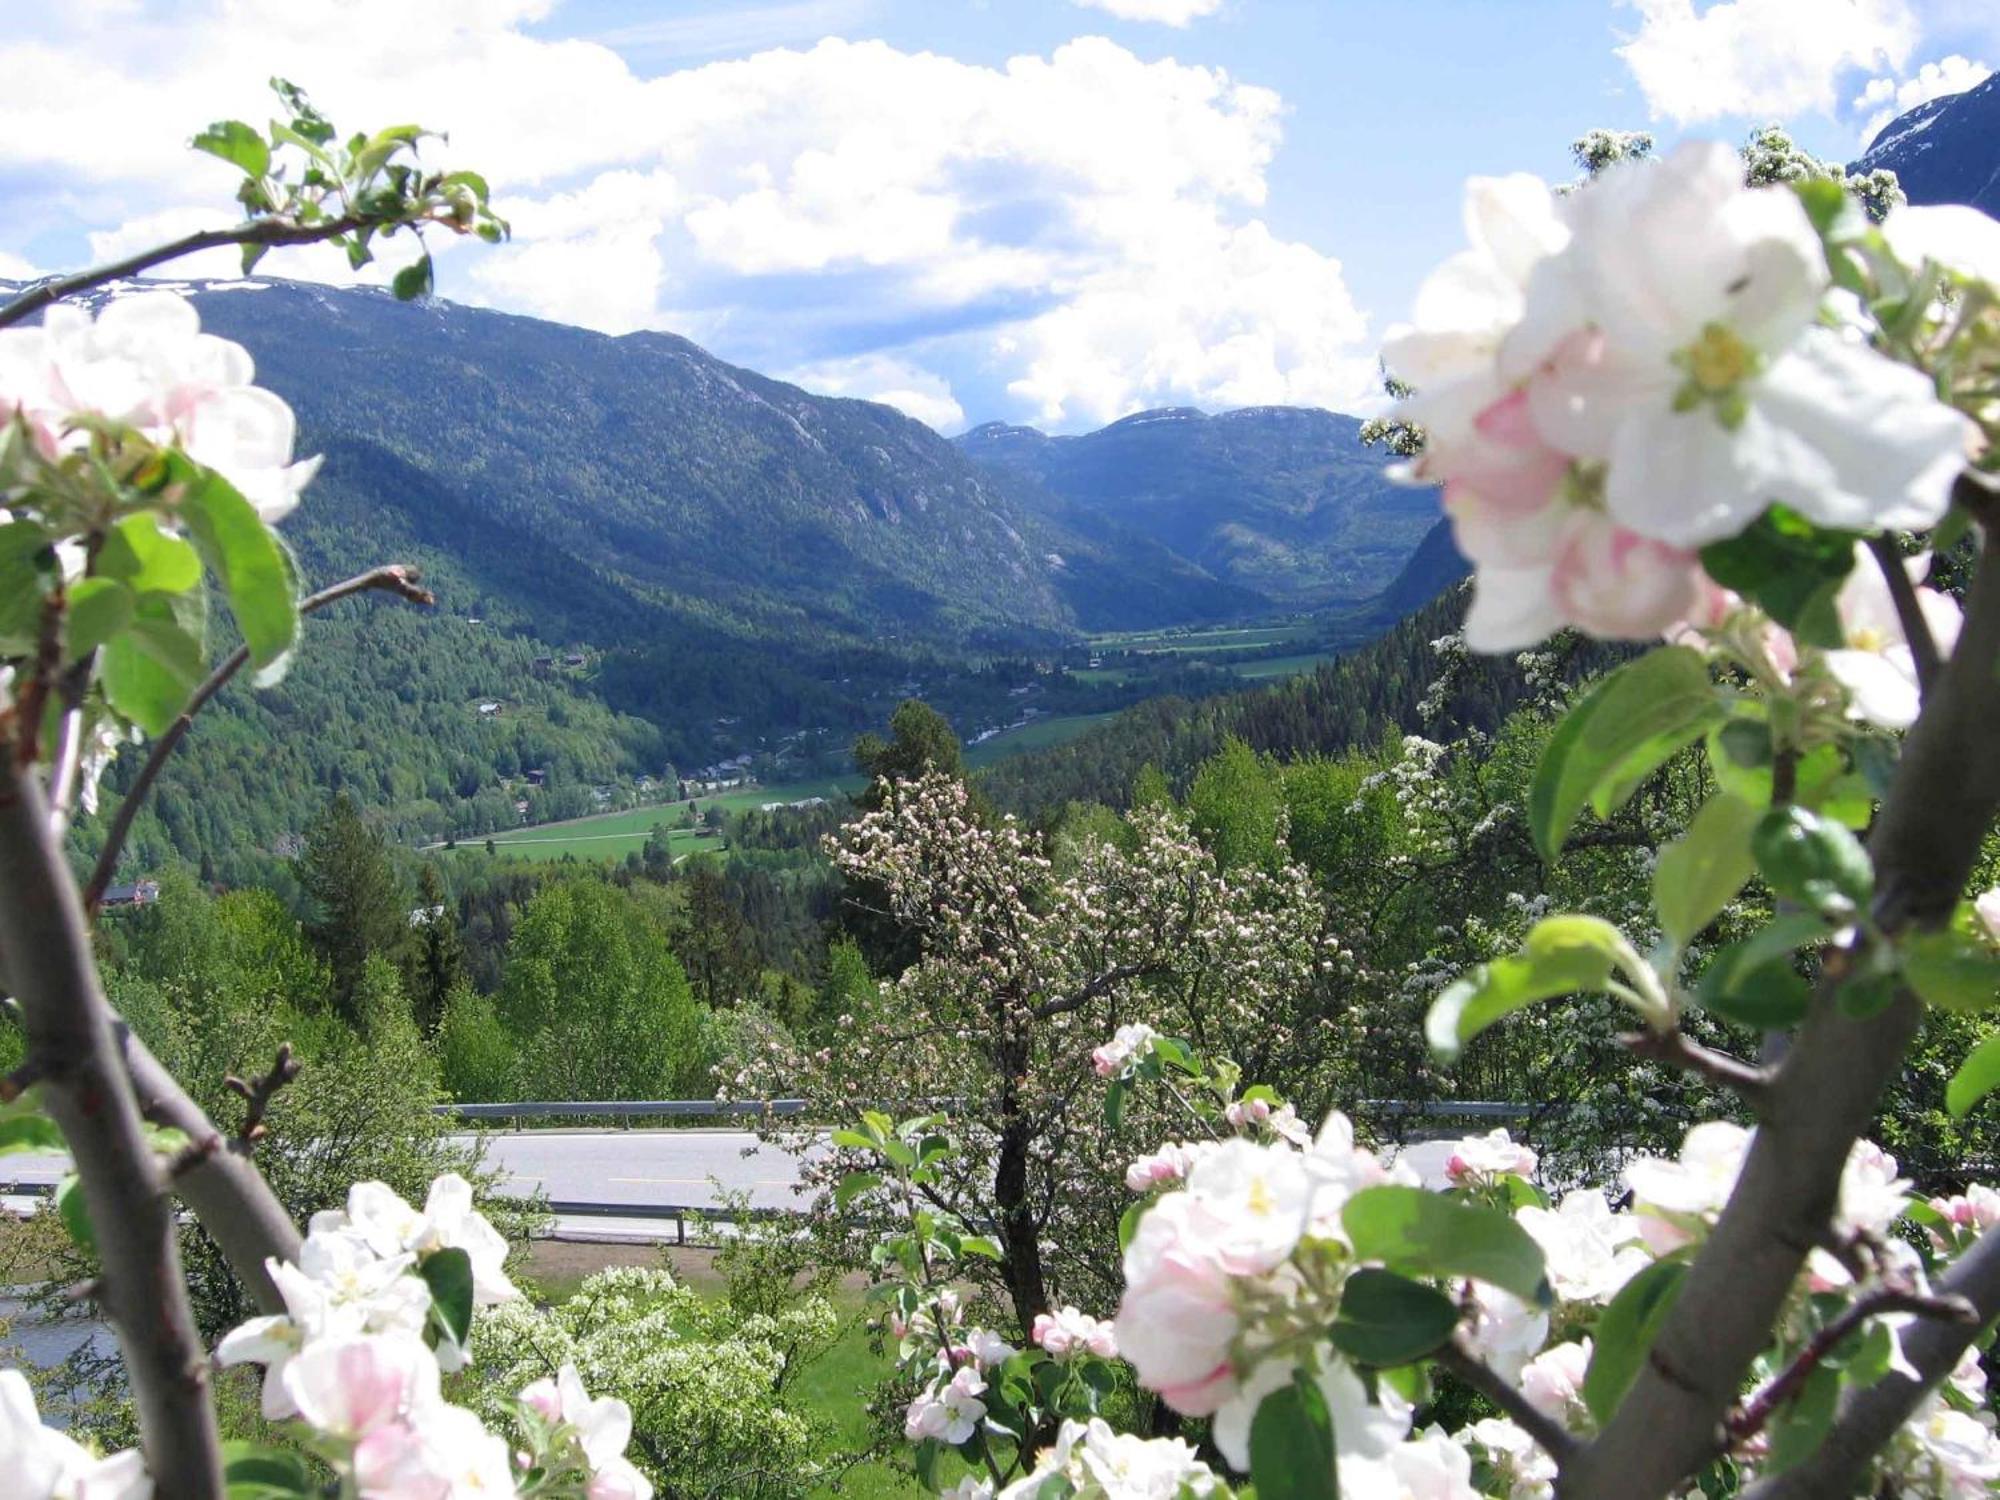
(1036, 736)
(1279, 666)
(1202, 642)
(614, 835)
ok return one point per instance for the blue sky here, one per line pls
(1054, 211)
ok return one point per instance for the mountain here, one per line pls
(1945, 151)
(1281, 501)
(599, 485)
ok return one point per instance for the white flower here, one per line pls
(1590, 1252)
(1987, 909)
(1361, 1428)
(1530, 1474)
(39, 1463)
(1258, 1197)
(1872, 1196)
(988, 1349)
(1706, 389)
(349, 1387)
(1674, 1198)
(1432, 1467)
(1876, 665)
(1955, 1455)
(1553, 1380)
(949, 1411)
(1090, 1461)
(1962, 240)
(1069, 1331)
(969, 1487)
(449, 1221)
(1505, 1330)
(1339, 1169)
(1127, 1045)
(144, 361)
(603, 1428)
(1177, 1318)
(1450, 1164)
(445, 1452)
(1168, 1164)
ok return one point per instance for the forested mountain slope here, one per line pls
(1283, 501)
(1946, 150)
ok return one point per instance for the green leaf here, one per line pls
(1698, 875)
(448, 1273)
(253, 1473)
(1625, 1334)
(30, 1132)
(1631, 723)
(1291, 1444)
(237, 144)
(149, 671)
(1976, 1077)
(1563, 955)
(1128, 1223)
(99, 608)
(855, 1139)
(853, 1185)
(1789, 566)
(251, 564)
(75, 1217)
(1812, 860)
(413, 281)
(1114, 1103)
(1801, 1424)
(1428, 1234)
(1952, 971)
(1388, 1320)
(1766, 995)
(148, 560)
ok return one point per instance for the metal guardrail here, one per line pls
(639, 1109)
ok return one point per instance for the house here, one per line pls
(488, 709)
(423, 916)
(574, 659)
(537, 777)
(140, 893)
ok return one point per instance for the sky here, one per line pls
(1055, 212)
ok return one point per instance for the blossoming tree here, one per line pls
(1667, 404)
(141, 469)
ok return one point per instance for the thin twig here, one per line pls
(1909, 610)
(266, 232)
(393, 578)
(1553, 1438)
(1751, 1418)
(257, 1093)
(1748, 1082)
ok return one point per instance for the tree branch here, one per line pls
(1822, 1097)
(1677, 1050)
(226, 1191)
(1869, 1417)
(1755, 1413)
(266, 232)
(1909, 612)
(70, 1037)
(394, 578)
(1550, 1435)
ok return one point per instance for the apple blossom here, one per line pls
(986, 1348)
(1986, 907)
(1876, 664)
(1446, 1164)
(602, 1429)
(1128, 1044)
(1505, 1331)
(347, 1387)
(39, 1463)
(380, 1217)
(1520, 1463)
(1431, 1467)
(1553, 1380)
(1675, 1198)
(1590, 1252)
(1257, 1197)
(1362, 1428)
(1958, 238)
(1158, 1168)
(1091, 1461)
(948, 1410)
(144, 361)
(1177, 1319)
(1068, 1331)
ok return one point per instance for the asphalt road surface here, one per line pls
(644, 1168)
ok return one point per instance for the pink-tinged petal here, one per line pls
(1617, 585)
(1512, 609)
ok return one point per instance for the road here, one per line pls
(651, 1168)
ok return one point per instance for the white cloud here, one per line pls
(1166, 12)
(1761, 58)
(1886, 98)
(1079, 229)
(738, 29)
(879, 377)
(16, 268)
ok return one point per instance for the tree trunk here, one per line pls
(1020, 1235)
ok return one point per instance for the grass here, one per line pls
(1038, 735)
(1222, 638)
(1281, 666)
(616, 834)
